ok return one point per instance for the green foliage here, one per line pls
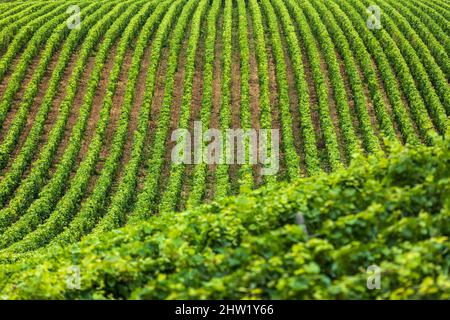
(200, 172)
(146, 199)
(307, 128)
(290, 154)
(30, 187)
(11, 179)
(392, 212)
(60, 210)
(326, 124)
(43, 27)
(120, 203)
(172, 191)
(363, 91)
(222, 179)
(263, 75)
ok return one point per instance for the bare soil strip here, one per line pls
(177, 97)
(351, 101)
(274, 103)
(19, 96)
(34, 108)
(97, 105)
(74, 111)
(216, 97)
(254, 94)
(234, 168)
(294, 105)
(196, 106)
(332, 108)
(117, 101)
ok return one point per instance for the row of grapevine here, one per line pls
(429, 34)
(440, 8)
(120, 202)
(245, 174)
(146, 199)
(326, 124)
(10, 11)
(12, 178)
(382, 115)
(291, 157)
(225, 250)
(47, 204)
(265, 108)
(30, 52)
(9, 19)
(92, 206)
(416, 68)
(172, 191)
(222, 178)
(350, 140)
(428, 54)
(396, 61)
(200, 171)
(13, 233)
(433, 23)
(346, 37)
(440, 20)
(30, 187)
(344, 89)
(18, 29)
(307, 128)
(20, 119)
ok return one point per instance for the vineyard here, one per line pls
(92, 91)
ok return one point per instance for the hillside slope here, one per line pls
(90, 96)
(310, 239)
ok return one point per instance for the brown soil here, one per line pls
(369, 105)
(235, 98)
(332, 108)
(137, 104)
(97, 104)
(19, 95)
(216, 101)
(115, 112)
(74, 111)
(54, 110)
(196, 105)
(294, 105)
(177, 97)
(387, 102)
(351, 101)
(274, 103)
(254, 94)
(158, 97)
(136, 107)
(35, 106)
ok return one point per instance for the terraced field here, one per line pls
(87, 113)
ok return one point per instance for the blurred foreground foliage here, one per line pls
(311, 239)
